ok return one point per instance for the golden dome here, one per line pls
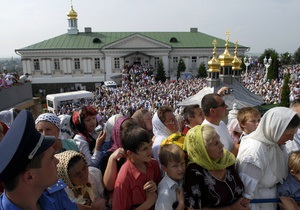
(236, 63)
(72, 14)
(226, 58)
(214, 63)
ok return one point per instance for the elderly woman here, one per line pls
(49, 124)
(164, 124)
(144, 119)
(262, 159)
(211, 181)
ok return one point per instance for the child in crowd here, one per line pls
(248, 118)
(170, 191)
(136, 183)
(291, 186)
(84, 183)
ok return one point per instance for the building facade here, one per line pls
(92, 57)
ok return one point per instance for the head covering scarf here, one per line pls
(175, 138)
(7, 116)
(159, 129)
(196, 150)
(139, 117)
(4, 127)
(234, 126)
(49, 117)
(115, 140)
(271, 127)
(62, 170)
(110, 124)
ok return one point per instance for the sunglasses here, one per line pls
(222, 105)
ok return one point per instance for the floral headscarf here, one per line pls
(62, 169)
(195, 147)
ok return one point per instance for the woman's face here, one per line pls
(215, 148)
(79, 173)
(148, 121)
(49, 129)
(171, 122)
(287, 135)
(90, 123)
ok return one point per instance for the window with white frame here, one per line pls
(56, 64)
(76, 63)
(36, 64)
(117, 63)
(97, 63)
(175, 62)
(156, 62)
(194, 62)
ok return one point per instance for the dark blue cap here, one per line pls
(20, 144)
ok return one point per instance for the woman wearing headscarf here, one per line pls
(84, 183)
(49, 124)
(144, 119)
(211, 181)
(262, 159)
(164, 124)
(3, 130)
(89, 142)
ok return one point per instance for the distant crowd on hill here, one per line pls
(10, 79)
(140, 90)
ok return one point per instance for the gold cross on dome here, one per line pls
(215, 43)
(227, 33)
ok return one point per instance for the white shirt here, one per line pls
(83, 146)
(166, 193)
(224, 134)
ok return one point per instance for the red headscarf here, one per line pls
(5, 128)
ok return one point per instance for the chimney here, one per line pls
(193, 29)
(88, 30)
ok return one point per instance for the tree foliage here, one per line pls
(202, 72)
(273, 69)
(285, 92)
(161, 74)
(180, 68)
(286, 58)
(297, 55)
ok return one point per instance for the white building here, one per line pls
(92, 57)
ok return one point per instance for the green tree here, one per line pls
(202, 72)
(286, 58)
(297, 55)
(285, 93)
(273, 68)
(161, 74)
(180, 68)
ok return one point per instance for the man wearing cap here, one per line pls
(28, 167)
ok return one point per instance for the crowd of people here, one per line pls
(143, 92)
(151, 154)
(145, 162)
(10, 79)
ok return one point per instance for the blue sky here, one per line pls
(258, 24)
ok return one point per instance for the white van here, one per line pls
(55, 100)
(110, 84)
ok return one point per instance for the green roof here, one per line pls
(86, 40)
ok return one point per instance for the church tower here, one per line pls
(226, 63)
(214, 69)
(72, 22)
(236, 65)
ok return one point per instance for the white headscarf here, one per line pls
(271, 127)
(159, 128)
